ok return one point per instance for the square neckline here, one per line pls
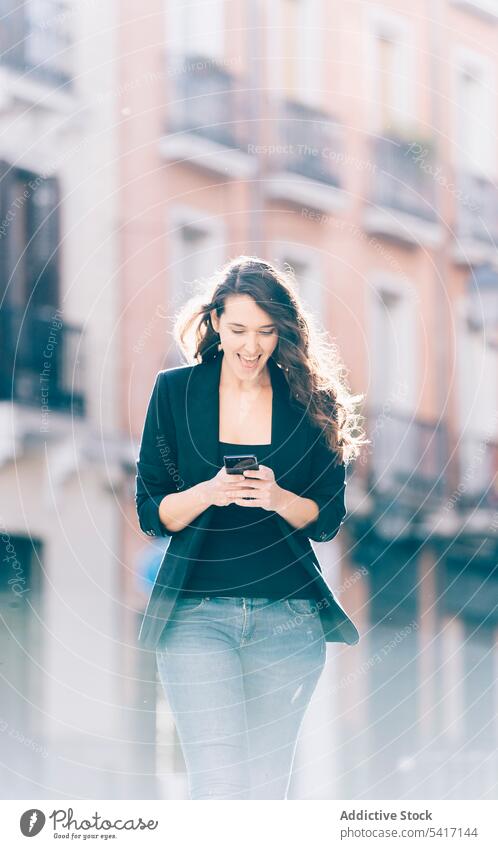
(246, 444)
(272, 424)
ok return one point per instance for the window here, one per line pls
(21, 560)
(305, 265)
(30, 296)
(295, 37)
(193, 242)
(475, 114)
(196, 243)
(387, 79)
(195, 28)
(29, 207)
(478, 402)
(393, 428)
(389, 71)
(36, 36)
(393, 347)
(488, 9)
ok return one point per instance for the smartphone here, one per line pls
(236, 463)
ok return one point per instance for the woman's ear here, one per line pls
(214, 320)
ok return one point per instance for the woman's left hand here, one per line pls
(263, 489)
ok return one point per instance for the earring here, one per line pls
(220, 347)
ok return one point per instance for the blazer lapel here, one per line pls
(202, 420)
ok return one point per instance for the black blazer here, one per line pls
(179, 448)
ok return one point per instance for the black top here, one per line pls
(244, 552)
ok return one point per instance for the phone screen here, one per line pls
(236, 463)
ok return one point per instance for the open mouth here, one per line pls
(249, 364)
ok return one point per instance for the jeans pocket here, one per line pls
(301, 607)
(189, 605)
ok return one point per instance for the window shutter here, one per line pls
(8, 253)
(42, 267)
(12, 34)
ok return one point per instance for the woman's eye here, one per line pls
(263, 332)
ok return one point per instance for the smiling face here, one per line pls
(247, 334)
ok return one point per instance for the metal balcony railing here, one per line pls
(477, 473)
(203, 101)
(40, 360)
(477, 209)
(309, 143)
(402, 178)
(407, 457)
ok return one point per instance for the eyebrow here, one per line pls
(237, 324)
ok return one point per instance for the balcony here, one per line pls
(35, 40)
(402, 193)
(487, 9)
(40, 361)
(204, 125)
(405, 477)
(308, 150)
(476, 223)
(477, 487)
(36, 55)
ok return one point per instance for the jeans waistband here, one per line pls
(237, 598)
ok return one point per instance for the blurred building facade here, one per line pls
(61, 691)
(356, 143)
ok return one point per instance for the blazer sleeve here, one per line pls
(156, 464)
(327, 489)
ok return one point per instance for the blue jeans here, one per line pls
(238, 674)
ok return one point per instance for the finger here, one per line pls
(240, 486)
(263, 473)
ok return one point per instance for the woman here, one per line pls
(240, 612)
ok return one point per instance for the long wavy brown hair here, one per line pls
(309, 359)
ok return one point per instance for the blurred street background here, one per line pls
(141, 146)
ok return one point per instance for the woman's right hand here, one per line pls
(223, 488)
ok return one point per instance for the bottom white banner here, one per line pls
(153, 823)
